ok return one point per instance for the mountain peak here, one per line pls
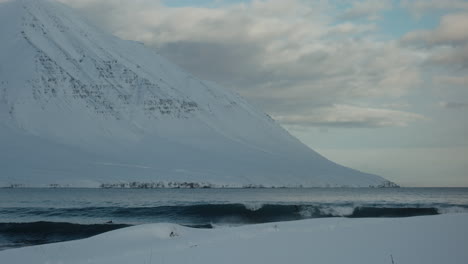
(81, 107)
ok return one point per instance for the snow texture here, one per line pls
(415, 240)
(79, 107)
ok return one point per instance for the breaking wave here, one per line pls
(196, 216)
(225, 213)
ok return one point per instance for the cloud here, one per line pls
(446, 45)
(420, 7)
(453, 105)
(366, 10)
(450, 56)
(350, 28)
(288, 57)
(351, 116)
(452, 80)
(451, 30)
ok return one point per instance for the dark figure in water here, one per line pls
(109, 222)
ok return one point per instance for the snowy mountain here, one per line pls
(79, 107)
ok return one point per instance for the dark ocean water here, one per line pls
(38, 216)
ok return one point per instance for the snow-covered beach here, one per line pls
(422, 239)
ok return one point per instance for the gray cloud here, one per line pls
(368, 9)
(220, 62)
(350, 28)
(452, 80)
(451, 30)
(451, 56)
(447, 44)
(420, 7)
(454, 105)
(351, 116)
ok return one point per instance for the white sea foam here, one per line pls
(337, 210)
(318, 211)
(253, 206)
(452, 210)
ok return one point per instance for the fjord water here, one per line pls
(37, 216)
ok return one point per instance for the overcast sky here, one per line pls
(380, 86)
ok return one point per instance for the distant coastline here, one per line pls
(190, 185)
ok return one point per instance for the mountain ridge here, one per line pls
(79, 107)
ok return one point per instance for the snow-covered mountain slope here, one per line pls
(80, 107)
